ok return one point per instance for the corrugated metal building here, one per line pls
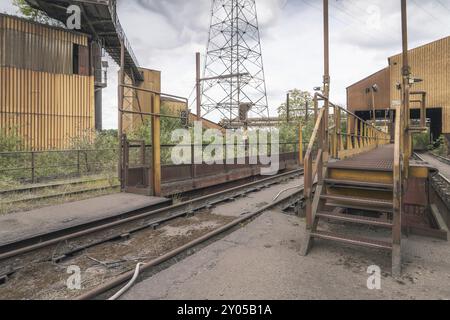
(176, 106)
(46, 83)
(431, 63)
(140, 101)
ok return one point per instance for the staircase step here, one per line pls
(358, 203)
(355, 219)
(359, 184)
(353, 240)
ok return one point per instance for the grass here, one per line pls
(13, 202)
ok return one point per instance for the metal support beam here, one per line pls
(156, 145)
(198, 87)
(120, 115)
(300, 145)
(288, 102)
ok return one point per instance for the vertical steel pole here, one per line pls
(406, 72)
(373, 106)
(120, 115)
(306, 110)
(300, 145)
(198, 87)
(156, 144)
(33, 169)
(326, 78)
(288, 105)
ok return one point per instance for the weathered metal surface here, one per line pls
(42, 100)
(360, 99)
(180, 178)
(100, 20)
(431, 63)
(380, 159)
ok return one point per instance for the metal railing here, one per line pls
(36, 166)
(334, 141)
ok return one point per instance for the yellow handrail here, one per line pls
(360, 136)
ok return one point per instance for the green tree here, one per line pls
(301, 106)
(33, 14)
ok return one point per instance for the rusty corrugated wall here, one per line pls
(431, 63)
(46, 97)
(135, 100)
(360, 100)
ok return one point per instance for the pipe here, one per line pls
(129, 284)
(124, 277)
(285, 190)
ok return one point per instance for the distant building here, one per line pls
(177, 106)
(50, 83)
(431, 63)
(142, 101)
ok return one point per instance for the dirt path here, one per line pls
(262, 261)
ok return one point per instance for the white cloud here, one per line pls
(363, 34)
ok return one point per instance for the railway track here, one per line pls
(14, 256)
(113, 284)
(135, 221)
(440, 183)
(440, 158)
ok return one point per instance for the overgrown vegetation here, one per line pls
(95, 153)
(301, 112)
(10, 141)
(441, 147)
(33, 14)
(421, 141)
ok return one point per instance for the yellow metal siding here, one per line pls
(359, 100)
(432, 64)
(47, 110)
(135, 100)
(26, 45)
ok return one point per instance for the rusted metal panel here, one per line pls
(431, 63)
(141, 101)
(41, 100)
(360, 99)
(83, 60)
(37, 47)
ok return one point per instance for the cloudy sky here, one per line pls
(165, 34)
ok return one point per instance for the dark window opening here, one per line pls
(434, 117)
(76, 59)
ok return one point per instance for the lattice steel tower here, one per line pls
(233, 80)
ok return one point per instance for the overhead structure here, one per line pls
(99, 19)
(233, 84)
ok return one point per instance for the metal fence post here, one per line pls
(78, 163)
(33, 173)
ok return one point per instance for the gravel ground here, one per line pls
(41, 279)
(262, 261)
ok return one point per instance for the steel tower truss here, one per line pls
(233, 77)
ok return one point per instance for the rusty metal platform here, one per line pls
(380, 159)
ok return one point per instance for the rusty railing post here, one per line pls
(33, 172)
(300, 145)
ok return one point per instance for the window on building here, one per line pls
(76, 59)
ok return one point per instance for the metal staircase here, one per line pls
(353, 169)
